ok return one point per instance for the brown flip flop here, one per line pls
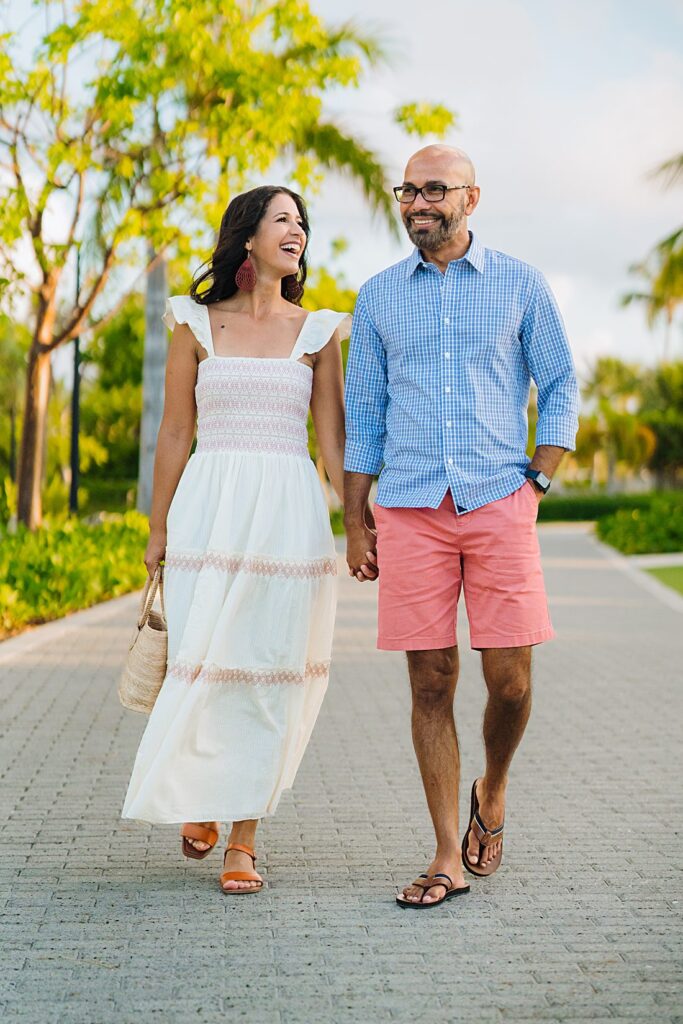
(203, 834)
(431, 882)
(240, 876)
(486, 837)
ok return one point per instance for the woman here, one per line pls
(244, 531)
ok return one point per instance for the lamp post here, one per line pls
(75, 405)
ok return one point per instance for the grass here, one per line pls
(672, 575)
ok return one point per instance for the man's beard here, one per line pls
(440, 234)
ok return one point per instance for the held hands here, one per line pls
(361, 549)
(156, 550)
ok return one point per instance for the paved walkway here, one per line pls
(104, 922)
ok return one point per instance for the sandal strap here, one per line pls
(486, 836)
(242, 849)
(441, 874)
(200, 832)
(240, 876)
(434, 882)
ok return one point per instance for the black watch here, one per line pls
(539, 479)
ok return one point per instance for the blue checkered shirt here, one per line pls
(438, 378)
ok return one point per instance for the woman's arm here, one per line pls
(327, 408)
(175, 438)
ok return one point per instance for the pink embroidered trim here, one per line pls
(246, 443)
(215, 674)
(238, 406)
(255, 564)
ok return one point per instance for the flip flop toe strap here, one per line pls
(486, 836)
(434, 881)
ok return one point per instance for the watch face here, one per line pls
(540, 479)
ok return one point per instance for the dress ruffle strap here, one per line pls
(181, 309)
(318, 330)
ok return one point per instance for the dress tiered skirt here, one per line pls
(250, 594)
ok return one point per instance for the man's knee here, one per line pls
(508, 675)
(433, 675)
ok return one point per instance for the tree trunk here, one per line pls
(153, 372)
(29, 504)
(34, 433)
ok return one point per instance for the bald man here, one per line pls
(444, 347)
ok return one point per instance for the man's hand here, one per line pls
(361, 553)
(540, 495)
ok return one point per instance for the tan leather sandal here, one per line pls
(240, 876)
(203, 834)
(485, 836)
(433, 882)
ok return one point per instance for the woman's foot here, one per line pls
(238, 870)
(200, 845)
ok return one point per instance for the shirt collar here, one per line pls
(475, 255)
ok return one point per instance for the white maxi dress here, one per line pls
(250, 592)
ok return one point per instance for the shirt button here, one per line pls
(447, 355)
(446, 320)
(450, 462)
(448, 390)
(448, 424)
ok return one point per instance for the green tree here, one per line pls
(14, 344)
(662, 413)
(614, 389)
(662, 270)
(185, 104)
(112, 390)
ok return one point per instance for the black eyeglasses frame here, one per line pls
(420, 192)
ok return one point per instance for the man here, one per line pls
(443, 349)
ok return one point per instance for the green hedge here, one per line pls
(597, 506)
(68, 566)
(638, 531)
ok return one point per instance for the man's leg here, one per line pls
(433, 677)
(507, 672)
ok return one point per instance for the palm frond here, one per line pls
(339, 152)
(671, 171)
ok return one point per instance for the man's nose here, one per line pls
(420, 203)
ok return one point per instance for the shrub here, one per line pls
(637, 531)
(596, 506)
(68, 566)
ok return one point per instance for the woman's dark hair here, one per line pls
(239, 223)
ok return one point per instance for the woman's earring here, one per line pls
(245, 278)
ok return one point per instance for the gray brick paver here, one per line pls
(102, 921)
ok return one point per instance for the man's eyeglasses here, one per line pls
(430, 193)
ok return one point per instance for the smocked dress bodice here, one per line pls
(253, 405)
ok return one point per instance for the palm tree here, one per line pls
(662, 270)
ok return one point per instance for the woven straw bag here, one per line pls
(145, 666)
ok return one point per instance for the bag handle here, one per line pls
(152, 584)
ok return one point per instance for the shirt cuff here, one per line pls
(560, 433)
(363, 458)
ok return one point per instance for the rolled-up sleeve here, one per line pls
(366, 394)
(548, 356)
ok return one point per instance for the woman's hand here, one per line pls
(156, 550)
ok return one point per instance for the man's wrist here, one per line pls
(539, 479)
(354, 522)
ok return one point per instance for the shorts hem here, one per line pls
(420, 643)
(516, 640)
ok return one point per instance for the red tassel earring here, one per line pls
(245, 278)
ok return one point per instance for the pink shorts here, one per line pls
(427, 555)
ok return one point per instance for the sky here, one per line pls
(565, 108)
